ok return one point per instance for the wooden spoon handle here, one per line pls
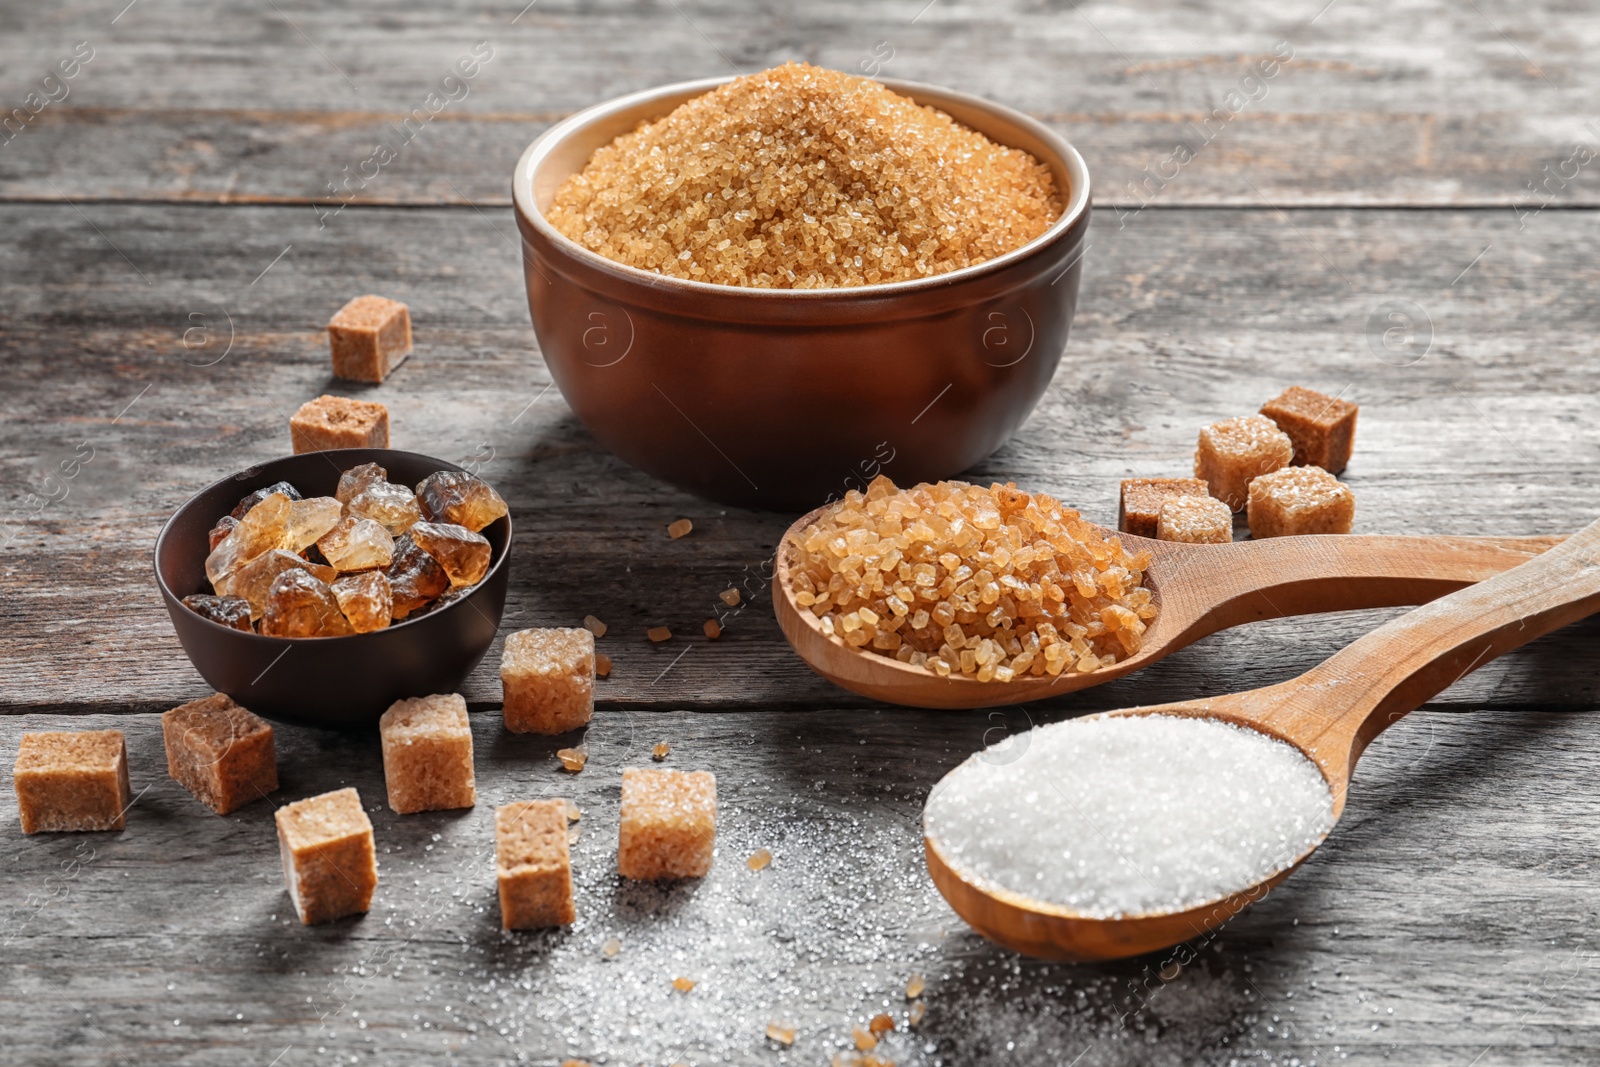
(1215, 587)
(1335, 709)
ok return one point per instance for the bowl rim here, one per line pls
(1076, 207)
(172, 599)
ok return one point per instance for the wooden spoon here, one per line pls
(1197, 589)
(1330, 713)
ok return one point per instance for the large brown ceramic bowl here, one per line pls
(338, 683)
(784, 398)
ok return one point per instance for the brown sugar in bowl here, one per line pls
(337, 683)
(784, 398)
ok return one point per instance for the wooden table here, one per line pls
(170, 249)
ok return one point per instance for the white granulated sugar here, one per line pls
(1128, 815)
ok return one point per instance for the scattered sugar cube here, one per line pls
(1140, 506)
(668, 823)
(1233, 451)
(1323, 428)
(533, 864)
(548, 680)
(679, 528)
(220, 752)
(1300, 500)
(369, 337)
(427, 754)
(1196, 520)
(339, 422)
(329, 864)
(72, 781)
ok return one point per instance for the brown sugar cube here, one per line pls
(370, 336)
(72, 781)
(1323, 428)
(669, 823)
(1141, 501)
(329, 864)
(220, 752)
(1195, 520)
(548, 680)
(338, 422)
(1233, 451)
(1300, 500)
(427, 754)
(533, 865)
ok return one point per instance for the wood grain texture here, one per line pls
(1447, 918)
(1381, 105)
(1186, 317)
(167, 205)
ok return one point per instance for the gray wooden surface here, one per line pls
(163, 283)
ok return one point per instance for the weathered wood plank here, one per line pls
(258, 104)
(1186, 317)
(1447, 920)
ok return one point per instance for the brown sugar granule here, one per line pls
(330, 866)
(804, 178)
(427, 754)
(220, 752)
(918, 1012)
(1300, 500)
(547, 677)
(573, 759)
(680, 528)
(72, 781)
(759, 860)
(533, 865)
(1323, 428)
(338, 422)
(661, 751)
(864, 1038)
(369, 337)
(612, 948)
(1232, 452)
(1139, 508)
(985, 583)
(683, 985)
(729, 597)
(595, 626)
(782, 1033)
(602, 665)
(915, 986)
(712, 629)
(659, 633)
(1195, 520)
(668, 826)
(881, 1024)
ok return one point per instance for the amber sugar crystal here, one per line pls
(668, 823)
(427, 754)
(533, 864)
(1232, 452)
(1323, 428)
(1195, 520)
(369, 337)
(460, 498)
(547, 676)
(220, 752)
(338, 422)
(985, 583)
(804, 178)
(1139, 507)
(1300, 500)
(72, 781)
(330, 866)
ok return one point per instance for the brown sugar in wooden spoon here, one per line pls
(1198, 590)
(1330, 714)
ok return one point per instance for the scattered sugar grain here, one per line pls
(865, 1041)
(881, 1024)
(712, 628)
(1127, 815)
(760, 860)
(729, 597)
(782, 1033)
(915, 986)
(680, 528)
(659, 634)
(602, 665)
(573, 759)
(661, 751)
(682, 984)
(594, 626)
(612, 947)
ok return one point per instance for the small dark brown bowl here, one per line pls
(786, 398)
(337, 683)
